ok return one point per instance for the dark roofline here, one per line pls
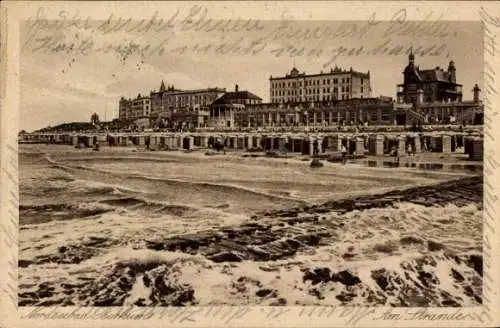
(246, 92)
(216, 89)
(136, 98)
(236, 95)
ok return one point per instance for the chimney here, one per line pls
(236, 88)
(453, 72)
(476, 92)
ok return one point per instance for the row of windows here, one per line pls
(333, 116)
(278, 93)
(310, 83)
(185, 97)
(184, 100)
(311, 98)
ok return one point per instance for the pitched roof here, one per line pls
(431, 75)
(236, 95)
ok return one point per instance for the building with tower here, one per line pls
(336, 84)
(328, 99)
(433, 85)
(433, 96)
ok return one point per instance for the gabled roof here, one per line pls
(431, 75)
(236, 95)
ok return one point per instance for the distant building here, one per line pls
(223, 110)
(134, 108)
(335, 98)
(431, 85)
(433, 96)
(169, 100)
(370, 111)
(337, 84)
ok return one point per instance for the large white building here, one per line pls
(169, 100)
(337, 84)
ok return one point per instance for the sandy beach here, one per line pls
(119, 227)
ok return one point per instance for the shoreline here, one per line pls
(139, 153)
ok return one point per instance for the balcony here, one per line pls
(403, 106)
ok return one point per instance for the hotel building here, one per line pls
(337, 84)
(169, 100)
(336, 98)
(134, 108)
(430, 96)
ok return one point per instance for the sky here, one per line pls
(69, 72)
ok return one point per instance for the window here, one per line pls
(386, 115)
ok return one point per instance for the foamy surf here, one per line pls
(245, 234)
(355, 270)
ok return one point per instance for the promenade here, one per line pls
(307, 143)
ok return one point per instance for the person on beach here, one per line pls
(343, 150)
(396, 154)
(409, 150)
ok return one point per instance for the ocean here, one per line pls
(104, 229)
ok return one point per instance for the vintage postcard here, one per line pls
(247, 164)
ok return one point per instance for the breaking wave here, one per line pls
(130, 238)
(36, 214)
